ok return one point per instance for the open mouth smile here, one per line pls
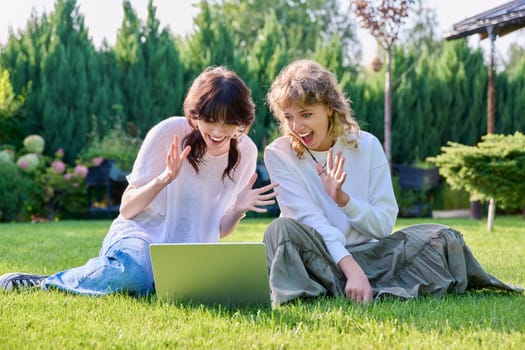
(217, 140)
(306, 137)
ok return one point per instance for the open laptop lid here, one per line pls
(211, 273)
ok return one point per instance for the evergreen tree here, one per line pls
(510, 89)
(408, 117)
(165, 71)
(330, 54)
(464, 74)
(131, 75)
(109, 94)
(69, 82)
(23, 57)
(212, 44)
(268, 56)
(303, 22)
(151, 73)
(366, 92)
(55, 65)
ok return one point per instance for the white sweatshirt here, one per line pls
(372, 209)
(188, 210)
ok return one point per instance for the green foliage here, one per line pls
(213, 44)
(117, 145)
(63, 188)
(39, 187)
(58, 82)
(302, 23)
(510, 89)
(437, 98)
(267, 58)
(67, 86)
(16, 188)
(149, 71)
(494, 168)
(11, 118)
(446, 198)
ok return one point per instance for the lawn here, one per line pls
(54, 320)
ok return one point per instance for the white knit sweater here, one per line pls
(372, 209)
(189, 209)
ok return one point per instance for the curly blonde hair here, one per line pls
(306, 83)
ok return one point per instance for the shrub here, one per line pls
(494, 168)
(117, 145)
(16, 189)
(64, 189)
(29, 162)
(34, 144)
(56, 188)
(447, 198)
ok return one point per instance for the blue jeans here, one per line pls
(123, 267)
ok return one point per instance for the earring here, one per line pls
(239, 132)
(195, 121)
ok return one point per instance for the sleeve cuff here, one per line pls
(351, 209)
(337, 251)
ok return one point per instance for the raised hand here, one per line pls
(334, 177)
(255, 198)
(174, 161)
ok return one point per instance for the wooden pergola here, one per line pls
(498, 21)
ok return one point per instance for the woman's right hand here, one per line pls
(136, 199)
(174, 161)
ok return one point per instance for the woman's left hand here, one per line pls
(334, 177)
(254, 198)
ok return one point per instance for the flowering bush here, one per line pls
(117, 145)
(63, 186)
(29, 162)
(7, 156)
(34, 144)
(57, 188)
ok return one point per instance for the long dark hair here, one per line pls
(217, 95)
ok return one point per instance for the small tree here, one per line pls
(383, 18)
(494, 168)
(11, 118)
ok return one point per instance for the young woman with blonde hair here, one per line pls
(338, 207)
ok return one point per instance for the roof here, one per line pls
(504, 19)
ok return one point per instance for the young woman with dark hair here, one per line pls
(191, 182)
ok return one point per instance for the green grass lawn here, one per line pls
(54, 320)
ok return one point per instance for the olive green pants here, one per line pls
(426, 259)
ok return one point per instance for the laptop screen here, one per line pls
(211, 273)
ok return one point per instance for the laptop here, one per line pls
(211, 273)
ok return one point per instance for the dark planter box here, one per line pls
(417, 180)
(105, 183)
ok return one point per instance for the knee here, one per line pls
(136, 277)
(282, 229)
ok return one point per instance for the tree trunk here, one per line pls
(491, 214)
(388, 107)
(491, 88)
